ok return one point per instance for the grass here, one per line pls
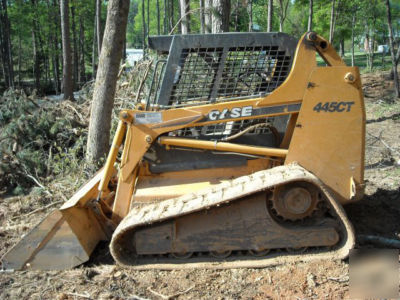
(387, 109)
(383, 109)
(360, 60)
(395, 172)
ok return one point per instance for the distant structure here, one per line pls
(133, 55)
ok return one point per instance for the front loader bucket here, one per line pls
(64, 239)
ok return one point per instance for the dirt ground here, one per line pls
(377, 214)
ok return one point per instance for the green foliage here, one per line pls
(23, 14)
(370, 19)
(37, 142)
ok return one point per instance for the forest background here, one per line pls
(32, 51)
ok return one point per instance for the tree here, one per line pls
(148, 20)
(6, 49)
(332, 22)
(53, 16)
(75, 48)
(104, 90)
(185, 16)
(98, 26)
(37, 54)
(166, 27)
(208, 15)
(283, 9)
(372, 12)
(343, 17)
(94, 47)
(82, 73)
(201, 4)
(353, 24)
(66, 43)
(394, 57)
(221, 16)
(250, 12)
(144, 27)
(158, 18)
(310, 15)
(172, 13)
(270, 14)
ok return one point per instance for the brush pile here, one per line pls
(39, 138)
(42, 139)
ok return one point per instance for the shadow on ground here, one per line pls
(393, 117)
(101, 255)
(377, 214)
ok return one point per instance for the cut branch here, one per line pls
(168, 297)
(378, 241)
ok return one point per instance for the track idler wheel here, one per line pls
(221, 254)
(295, 201)
(259, 253)
(296, 250)
(183, 255)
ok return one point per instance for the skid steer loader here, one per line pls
(242, 156)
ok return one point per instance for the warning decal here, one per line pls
(148, 118)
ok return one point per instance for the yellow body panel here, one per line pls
(331, 144)
(328, 143)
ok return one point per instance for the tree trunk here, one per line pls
(94, 44)
(332, 22)
(353, 22)
(148, 20)
(124, 51)
(166, 17)
(6, 45)
(237, 16)
(371, 52)
(172, 14)
(50, 51)
(221, 16)
(9, 50)
(2, 49)
(75, 79)
(36, 56)
(82, 73)
(55, 42)
(144, 28)
(310, 15)
(392, 54)
(250, 12)
(158, 17)
(341, 46)
(98, 26)
(270, 15)
(19, 58)
(208, 16)
(56, 80)
(66, 43)
(46, 66)
(104, 91)
(283, 6)
(41, 52)
(185, 16)
(201, 3)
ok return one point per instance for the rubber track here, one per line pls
(224, 193)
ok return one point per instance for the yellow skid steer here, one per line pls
(242, 156)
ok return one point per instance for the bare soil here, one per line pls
(100, 278)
